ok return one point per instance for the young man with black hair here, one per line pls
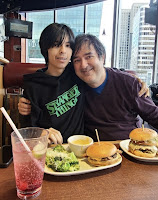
(55, 92)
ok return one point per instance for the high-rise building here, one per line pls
(125, 35)
(136, 42)
(134, 9)
(123, 42)
(142, 48)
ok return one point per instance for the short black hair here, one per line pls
(54, 33)
(91, 40)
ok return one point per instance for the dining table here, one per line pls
(132, 179)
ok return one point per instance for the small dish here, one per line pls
(79, 143)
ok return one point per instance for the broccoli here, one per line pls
(60, 160)
(59, 148)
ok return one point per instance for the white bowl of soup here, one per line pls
(79, 143)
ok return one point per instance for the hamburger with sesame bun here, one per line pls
(102, 154)
(143, 142)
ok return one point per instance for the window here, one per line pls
(73, 17)
(40, 21)
(98, 21)
(1, 37)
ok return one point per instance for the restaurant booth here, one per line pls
(11, 87)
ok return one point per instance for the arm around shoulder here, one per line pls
(148, 111)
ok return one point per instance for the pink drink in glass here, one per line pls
(29, 167)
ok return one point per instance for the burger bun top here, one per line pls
(140, 134)
(101, 150)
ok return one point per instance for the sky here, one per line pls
(128, 3)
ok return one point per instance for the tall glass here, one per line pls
(29, 167)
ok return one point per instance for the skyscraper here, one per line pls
(123, 42)
(142, 47)
(136, 42)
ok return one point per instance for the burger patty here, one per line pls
(105, 159)
(144, 148)
(142, 142)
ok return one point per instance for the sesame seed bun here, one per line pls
(139, 134)
(102, 154)
(104, 149)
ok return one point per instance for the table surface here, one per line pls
(131, 180)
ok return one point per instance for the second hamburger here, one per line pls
(143, 142)
(102, 154)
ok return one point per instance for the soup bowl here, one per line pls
(79, 143)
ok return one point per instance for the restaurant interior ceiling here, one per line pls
(35, 5)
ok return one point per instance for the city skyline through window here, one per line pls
(135, 47)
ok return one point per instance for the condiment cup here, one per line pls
(79, 143)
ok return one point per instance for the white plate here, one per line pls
(124, 146)
(84, 167)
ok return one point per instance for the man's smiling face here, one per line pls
(88, 66)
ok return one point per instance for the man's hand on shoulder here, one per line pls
(144, 89)
(24, 106)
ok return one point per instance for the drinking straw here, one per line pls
(15, 129)
(19, 136)
(97, 135)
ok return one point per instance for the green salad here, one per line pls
(61, 160)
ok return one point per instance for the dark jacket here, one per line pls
(57, 102)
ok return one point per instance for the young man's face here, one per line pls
(88, 66)
(59, 56)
